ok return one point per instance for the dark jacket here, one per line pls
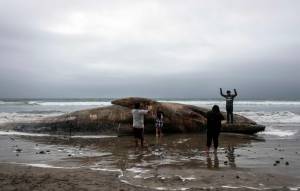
(229, 100)
(214, 122)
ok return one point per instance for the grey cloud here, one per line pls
(149, 48)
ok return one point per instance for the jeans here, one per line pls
(229, 117)
(229, 114)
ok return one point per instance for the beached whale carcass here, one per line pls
(117, 118)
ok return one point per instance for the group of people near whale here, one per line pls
(214, 118)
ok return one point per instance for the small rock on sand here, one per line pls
(287, 163)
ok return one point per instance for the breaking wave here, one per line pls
(17, 117)
(105, 102)
(57, 103)
(237, 103)
(273, 131)
(16, 133)
(272, 117)
(281, 124)
(73, 103)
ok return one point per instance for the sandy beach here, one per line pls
(175, 162)
(16, 177)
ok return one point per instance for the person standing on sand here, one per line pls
(138, 123)
(214, 119)
(229, 104)
(159, 123)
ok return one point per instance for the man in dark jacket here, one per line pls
(214, 119)
(229, 104)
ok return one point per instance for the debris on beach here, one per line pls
(287, 163)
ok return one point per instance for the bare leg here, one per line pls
(142, 142)
(216, 150)
(142, 139)
(207, 151)
(159, 132)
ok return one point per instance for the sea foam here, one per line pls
(272, 117)
(48, 135)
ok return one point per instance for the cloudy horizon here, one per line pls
(183, 49)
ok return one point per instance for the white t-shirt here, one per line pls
(138, 117)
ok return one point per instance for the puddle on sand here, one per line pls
(173, 162)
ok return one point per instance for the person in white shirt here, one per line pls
(138, 123)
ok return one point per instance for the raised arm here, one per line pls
(144, 111)
(221, 92)
(235, 93)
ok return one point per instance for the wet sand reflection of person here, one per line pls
(230, 156)
(211, 165)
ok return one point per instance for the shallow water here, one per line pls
(173, 162)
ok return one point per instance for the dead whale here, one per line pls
(117, 118)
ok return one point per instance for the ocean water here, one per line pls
(282, 118)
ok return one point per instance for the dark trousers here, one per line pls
(139, 134)
(229, 117)
(212, 136)
(229, 110)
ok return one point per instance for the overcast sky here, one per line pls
(153, 48)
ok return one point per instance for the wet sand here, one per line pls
(176, 162)
(17, 177)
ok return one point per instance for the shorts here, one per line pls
(138, 133)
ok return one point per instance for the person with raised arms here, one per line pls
(138, 123)
(229, 103)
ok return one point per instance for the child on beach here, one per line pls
(138, 124)
(159, 123)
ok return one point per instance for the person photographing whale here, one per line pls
(229, 103)
(138, 122)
